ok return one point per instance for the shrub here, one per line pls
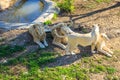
(48, 22)
(66, 6)
(55, 16)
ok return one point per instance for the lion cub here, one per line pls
(58, 34)
(38, 34)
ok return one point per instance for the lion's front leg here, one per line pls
(93, 48)
(45, 42)
(59, 44)
(39, 43)
(69, 49)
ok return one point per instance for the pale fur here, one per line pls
(59, 32)
(38, 34)
(84, 40)
(101, 45)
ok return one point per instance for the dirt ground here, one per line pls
(107, 15)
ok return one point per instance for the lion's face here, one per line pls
(66, 30)
(39, 28)
(95, 28)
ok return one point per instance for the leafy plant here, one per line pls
(55, 16)
(66, 6)
(48, 22)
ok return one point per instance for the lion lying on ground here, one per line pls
(58, 34)
(38, 34)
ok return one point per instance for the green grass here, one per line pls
(37, 69)
(55, 16)
(111, 70)
(7, 50)
(111, 77)
(48, 22)
(66, 6)
(101, 1)
(90, 5)
(97, 69)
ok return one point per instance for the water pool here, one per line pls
(26, 11)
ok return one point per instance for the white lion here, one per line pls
(39, 35)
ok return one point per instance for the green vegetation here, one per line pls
(111, 70)
(101, 68)
(89, 5)
(97, 69)
(100, 1)
(48, 22)
(111, 77)
(34, 66)
(55, 16)
(7, 50)
(66, 6)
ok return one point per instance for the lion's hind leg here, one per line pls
(107, 49)
(100, 48)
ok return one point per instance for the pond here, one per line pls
(26, 11)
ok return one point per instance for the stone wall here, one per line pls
(4, 4)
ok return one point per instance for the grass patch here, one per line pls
(34, 59)
(89, 5)
(55, 16)
(66, 5)
(48, 22)
(86, 60)
(101, 1)
(111, 77)
(46, 58)
(67, 73)
(97, 69)
(7, 50)
(111, 70)
(38, 70)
